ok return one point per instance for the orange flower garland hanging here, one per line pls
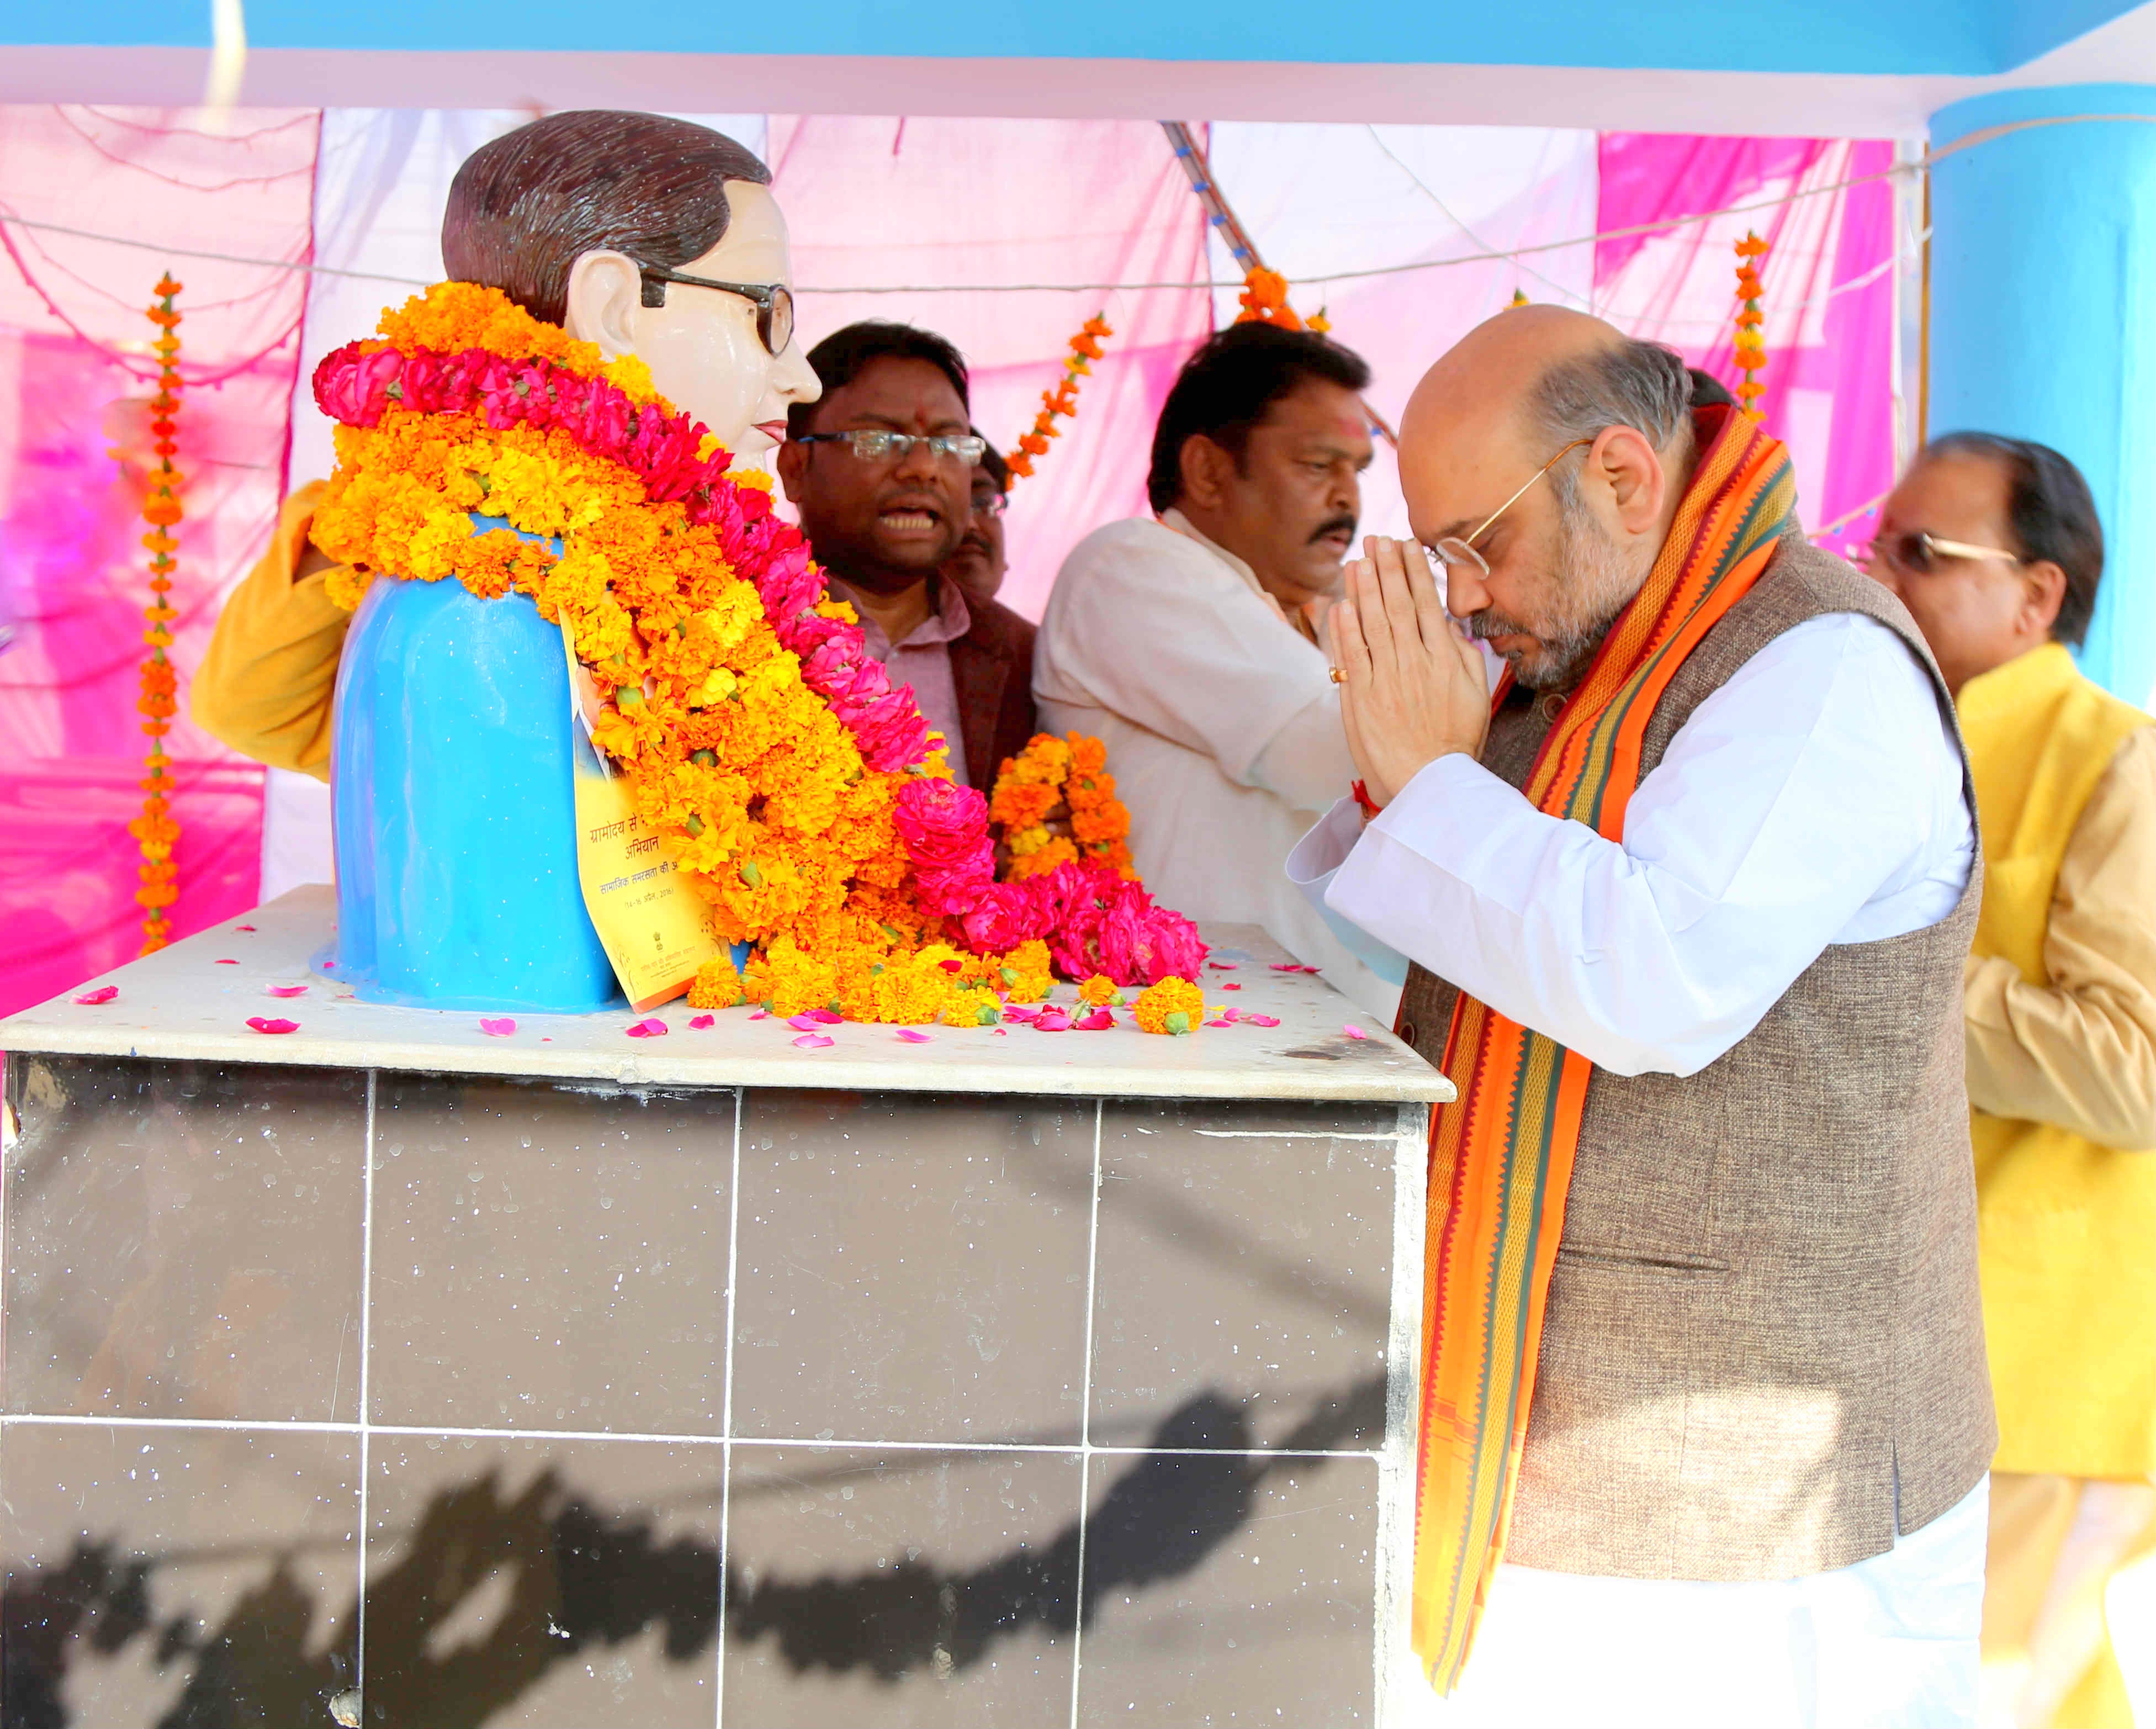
(1063, 400)
(794, 788)
(1751, 350)
(1056, 803)
(155, 830)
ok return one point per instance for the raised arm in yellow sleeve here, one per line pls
(264, 686)
(2081, 1051)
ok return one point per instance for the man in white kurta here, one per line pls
(1184, 643)
(1816, 798)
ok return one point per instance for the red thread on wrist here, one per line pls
(1371, 807)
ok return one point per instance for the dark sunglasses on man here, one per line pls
(774, 302)
(1918, 553)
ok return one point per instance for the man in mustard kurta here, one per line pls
(1993, 545)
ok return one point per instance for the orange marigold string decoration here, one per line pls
(1751, 351)
(1264, 300)
(156, 830)
(1055, 803)
(1063, 400)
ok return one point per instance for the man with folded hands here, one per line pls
(1705, 1420)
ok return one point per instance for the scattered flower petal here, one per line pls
(952, 967)
(1001, 1031)
(103, 993)
(1020, 1011)
(1100, 1020)
(1051, 1021)
(1286, 966)
(1261, 1020)
(825, 1017)
(1354, 1032)
(761, 1014)
(260, 1025)
(1230, 1016)
(914, 1036)
(227, 963)
(285, 990)
(652, 1028)
(807, 1021)
(496, 1026)
(242, 926)
(700, 1021)
(1229, 984)
(1222, 966)
(1313, 970)
(815, 1042)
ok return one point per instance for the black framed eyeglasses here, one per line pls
(873, 444)
(774, 302)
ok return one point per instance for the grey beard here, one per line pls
(1590, 587)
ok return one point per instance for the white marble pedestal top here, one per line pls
(193, 1000)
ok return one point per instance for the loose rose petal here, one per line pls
(496, 1026)
(1051, 1021)
(1020, 1011)
(262, 1026)
(1218, 1023)
(1100, 1020)
(952, 967)
(815, 1042)
(653, 1028)
(242, 926)
(700, 1021)
(1229, 984)
(1000, 1031)
(1261, 1020)
(914, 1036)
(103, 993)
(1222, 966)
(1286, 966)
(807, 1021)
(824, 1017)
(1231, 1015)
(546, 1039)
(761, 1014)
(285, 990)
(1354, 1032)
(227, 963)
(1313, 969)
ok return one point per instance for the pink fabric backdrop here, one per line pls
(73, 357)
(872, 203)
(1829, 370)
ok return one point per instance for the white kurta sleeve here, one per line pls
(1816, 797)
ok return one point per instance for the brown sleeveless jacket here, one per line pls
(1763, 1354)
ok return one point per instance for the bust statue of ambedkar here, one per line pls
(450, 776)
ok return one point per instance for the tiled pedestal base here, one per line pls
(426, 1402)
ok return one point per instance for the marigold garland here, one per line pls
(1751, 349)
(1173, 1005)
(791, 784)
(1056, 803)
(156, 830)
(1062, 400)
(1264, 300)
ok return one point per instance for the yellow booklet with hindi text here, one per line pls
(654, 930)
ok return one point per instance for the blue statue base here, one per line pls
(453, 808)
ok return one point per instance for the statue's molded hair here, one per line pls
(523, 209)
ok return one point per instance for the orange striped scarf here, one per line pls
(1500, 1157)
